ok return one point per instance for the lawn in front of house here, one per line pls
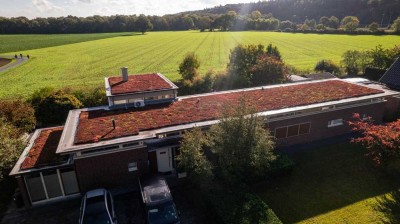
(334, 184)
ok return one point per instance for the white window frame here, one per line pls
(336, 122)
(120, 102)
(132, 166)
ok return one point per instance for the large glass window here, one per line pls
(47, 184)
(52, 183)
(304, 129)
(35, 187)
(70, 184)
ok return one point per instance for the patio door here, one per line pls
(164, 160)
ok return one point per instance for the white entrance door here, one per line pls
(164, 162)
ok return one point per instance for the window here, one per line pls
(364, 117)
(292, 130)
(281, 132)
(304, 128)
(336, 122)
(100, 150)
(119, 102)
(50, 184)
(132, 166)
(132, 144)
(171, 134)
(69, 181)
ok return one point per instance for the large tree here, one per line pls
(269, 70)
(144, 24)
(381, 141)
(244, 148)
(191, 156)
(188, 68)
(244, 58)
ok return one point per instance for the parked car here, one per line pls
(158, 203)
(97, 207)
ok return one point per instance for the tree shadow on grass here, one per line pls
(389, 205)
(326, 179)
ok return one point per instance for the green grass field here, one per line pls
(86, 64)
(13, 43)
(335, 184)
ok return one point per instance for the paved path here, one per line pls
(16, 63)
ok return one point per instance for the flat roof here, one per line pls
(41, 151)
(138, 84)
(96, 125)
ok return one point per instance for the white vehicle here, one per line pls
(97, 208)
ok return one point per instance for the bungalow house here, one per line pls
(139, 131)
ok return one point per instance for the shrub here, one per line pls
(281, 166)
(19, 113)
(11, 146)
(327, 66)
(239, 207)
(54, 108)
(91, 97)
(38, 96)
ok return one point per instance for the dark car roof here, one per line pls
(155, 191)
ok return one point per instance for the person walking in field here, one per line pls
(20, 55)
(27, 56)
(15, 56)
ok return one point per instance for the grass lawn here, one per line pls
(16, 43)
(87, 63)
(335, 184)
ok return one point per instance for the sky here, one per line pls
(55, 8)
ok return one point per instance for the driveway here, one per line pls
(17, 62)
(127, 206)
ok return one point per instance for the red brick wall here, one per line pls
(110, 170)
(319, 123)
(392, 110)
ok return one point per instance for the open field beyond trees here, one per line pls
(335, 184)
(11, 43)
(85, 64)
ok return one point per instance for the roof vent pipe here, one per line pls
(124, 74)
(113, 123)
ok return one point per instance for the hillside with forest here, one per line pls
(333, 16)
(368, 11)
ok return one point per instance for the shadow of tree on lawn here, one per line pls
(389, 205)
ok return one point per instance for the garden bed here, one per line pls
(4, 61)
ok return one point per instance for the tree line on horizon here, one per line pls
(303, 16)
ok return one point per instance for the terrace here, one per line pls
(97, 125)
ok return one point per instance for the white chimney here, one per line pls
(124, 74)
